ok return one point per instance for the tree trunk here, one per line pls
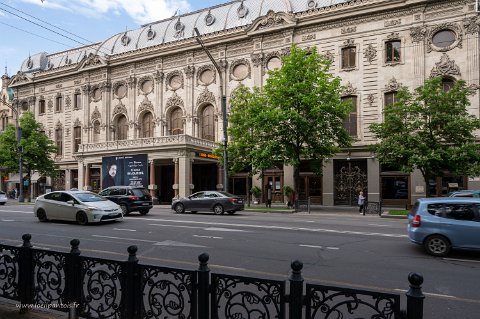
(296, 184)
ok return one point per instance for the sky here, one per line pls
(28, 27)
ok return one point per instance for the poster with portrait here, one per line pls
(128, 170)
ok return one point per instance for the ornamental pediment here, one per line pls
(92, 61)
(20, 78)
(272, 21)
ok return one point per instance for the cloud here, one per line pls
(141, 11)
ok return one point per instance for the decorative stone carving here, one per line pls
(116, 86)
(223, 64)
(158, 76)
(206, 97)
(392, 85)
(68, 102)
(77, 123)
(131, 81)
(92, 60)
(133, 124)
(95, 115)
(59, 125)
(348, 43)
(146, 105)
(329, 56)
(257, 59)
(393, 36)
(349, 90)
(371, 99)
(50, 105)
(272, 20)
(445, 67)
(346, 30)
(242, 11)
(174, 101)
(418, 33)
(141, 82)
(86, 89)
(174, 81)
(179, 29)
(444, 26)
(370, 53)
(77, 91)
(119, 109)
(471, 25)
(189, 71)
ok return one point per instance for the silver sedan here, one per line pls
(80, 206)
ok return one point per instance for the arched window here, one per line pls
(208, 123)
(176, 122)
(447, 84)
(122, 128)
(96, 132)
(350, 123)
(77, 138)
(147, 125)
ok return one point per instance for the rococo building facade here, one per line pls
(154, 91)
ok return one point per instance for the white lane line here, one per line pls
(431, 294)
(379, 225)
(279, 227)
(196, 227)
(124, 229)
(320, 247)
(209, 237)
(133, 239)
(177, 244)
(177, 226)
(8, 220)
(462, 260)
(16, 211)
(224, 229)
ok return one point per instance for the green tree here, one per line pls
(297, 115)
(430, 130)
(37, 148)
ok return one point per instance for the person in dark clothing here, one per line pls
(109, 179)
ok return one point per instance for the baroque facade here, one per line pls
(154, 91)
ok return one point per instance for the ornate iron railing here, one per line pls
(99, 288)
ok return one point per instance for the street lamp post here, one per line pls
(224, 110)
(18, 133)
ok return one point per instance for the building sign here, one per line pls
(208, 155)
(130, 170)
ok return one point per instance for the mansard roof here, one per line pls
(230, 15)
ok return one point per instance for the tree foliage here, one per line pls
(37, 148)
(297, 115)
(430, 130)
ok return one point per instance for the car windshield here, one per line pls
(89, 197)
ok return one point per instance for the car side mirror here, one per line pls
(71, 202)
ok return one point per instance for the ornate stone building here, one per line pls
(154, 91)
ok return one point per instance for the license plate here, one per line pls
(145, 204)
(240, 201)
(113, 214)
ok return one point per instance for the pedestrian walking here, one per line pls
(15, 193)
(361, 203)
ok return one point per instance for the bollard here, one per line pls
(295, 307)
(73, 281)
(25, 280)
(203, 287)
(132, 285)
(415, 297)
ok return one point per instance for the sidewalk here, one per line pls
(9, 310)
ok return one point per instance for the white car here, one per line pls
(3, 198)
(80, 206)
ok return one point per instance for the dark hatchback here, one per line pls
(217, 202)
(129, 198)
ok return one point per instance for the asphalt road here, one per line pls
(343, 249)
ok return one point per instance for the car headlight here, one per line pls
(91, 208)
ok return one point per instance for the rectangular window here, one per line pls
(77, 101)
(348, 57)
(59, 141)
(350, 123)
(58, 104)
(41, 107)
(77, 138)
(390, 98)
(392, 51)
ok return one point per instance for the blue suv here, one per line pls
(444, 223)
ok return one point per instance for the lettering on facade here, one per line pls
(77, 82)
(58, 86)
(207, 155)
(309, 37)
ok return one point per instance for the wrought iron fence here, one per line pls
(373, 208)
(89, 287)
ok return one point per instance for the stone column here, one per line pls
(184, 166)
(418, 39)
(328, 183)
(158, 103)
(87, 178)
(81, 174)
(219, 178)
(374, 182)
(68, 179)
(189, 101)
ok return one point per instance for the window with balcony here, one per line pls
(121, 128)
(96, 132)
(176, 122)
(208, 123)
(147, 125)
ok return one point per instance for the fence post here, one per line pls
(132, 293)
(415, 297)
(25, 280)
(295, 306)
(73, 282)
(203, 291)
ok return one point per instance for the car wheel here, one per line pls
(194, 211)
(82, 218)
(144, 211)
(124, 210)
(218, 209)
(2, 203)
(437, 245)
(41, 215)
(231, 212)
(179, 208)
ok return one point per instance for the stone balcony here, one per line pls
(145, 144)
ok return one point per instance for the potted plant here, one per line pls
(256, 191)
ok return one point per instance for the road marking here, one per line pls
(463, 260)
(177, 244)
(8, 220)
(379, 225)
(320, 247)
(276, 227)
(209, 237)
(177, 226)
(133, 239)
(224, 229)
(432, 294)
(16, 211)
(124, 229)
(197, 227)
